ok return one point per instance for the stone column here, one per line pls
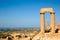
(52, 22)
(42, 22)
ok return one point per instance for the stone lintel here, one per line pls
(43, 10)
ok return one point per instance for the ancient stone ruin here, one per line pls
(52, 14)
(54, 33)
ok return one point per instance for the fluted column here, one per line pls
(52, 22)
(42, 22)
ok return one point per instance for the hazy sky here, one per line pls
(25, 13)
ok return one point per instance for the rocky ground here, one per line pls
(46, 36)
(28, 35)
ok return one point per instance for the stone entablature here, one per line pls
(43, 10)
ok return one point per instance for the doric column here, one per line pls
(42, 22)
(52, 22)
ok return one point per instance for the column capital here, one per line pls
(52, 12)
(42, 13)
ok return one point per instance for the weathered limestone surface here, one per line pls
(42, 12)
(42, 35)
(47, 36)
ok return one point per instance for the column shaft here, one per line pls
(42, 22)
(52, 22)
